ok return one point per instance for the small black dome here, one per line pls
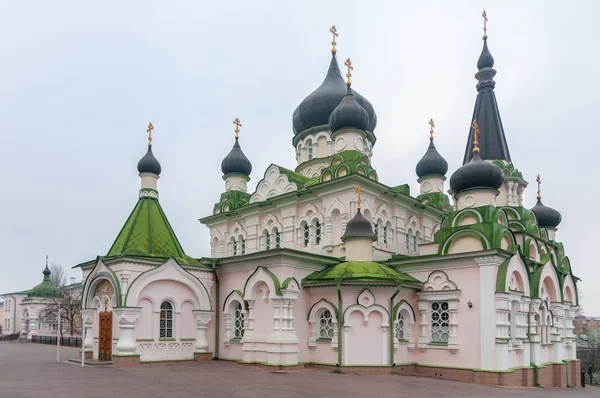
(547, 217)
(46, 271)
(369, 108)
(476, 174)
(149, 164)
(359, 227)
(236, 161)
(485, 59)
(349, 114)
(431, 163)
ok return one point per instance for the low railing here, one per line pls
(64, 341)
(9, 337)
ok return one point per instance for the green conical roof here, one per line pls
(359, 271)
(46, 288)
(147, 233)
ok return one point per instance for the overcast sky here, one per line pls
(80, 80)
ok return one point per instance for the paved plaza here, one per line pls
(31, 370)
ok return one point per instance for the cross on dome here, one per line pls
(149, 131)
(475, 127)
(539, 183)
(237, 127)
(348, 63)
(484, 15)
(333, 30)
(359, 191)
(432, 124)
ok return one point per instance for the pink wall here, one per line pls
(145, 328)
(365, 342)
(188, 323)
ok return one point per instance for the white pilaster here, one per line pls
(126, 318)
(202, 320)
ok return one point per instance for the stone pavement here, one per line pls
(31, 370)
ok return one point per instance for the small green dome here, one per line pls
(46, 288)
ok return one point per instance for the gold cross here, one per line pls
(237, 127)
(484, 15)
(475, 127)
(333, 30)
(46, 260)
(348, 63)
(539, 181)
(149, 131)
(359, 191)
(432, 124)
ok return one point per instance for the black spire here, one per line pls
(492, 140)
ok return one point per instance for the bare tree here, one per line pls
(69, 306)
(57, 275)
(588, 349)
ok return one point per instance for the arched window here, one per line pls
(400, 327)
(317, 232)
(267, 240)
(385, 234)
(410, 241)
(376, 231)
(310, 149)
(440, 325)
(166, 320)
(326, 326)
(306, 236)
(238, 318)
(234, 243)
(277, 235)
(242, 245)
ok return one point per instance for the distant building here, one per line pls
(584, 324)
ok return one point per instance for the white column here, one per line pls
(283, 342)
(33, 326)
(126, 319)
(202, 320)
(88, 316)
(534, 336)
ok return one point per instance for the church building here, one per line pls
(326, 266)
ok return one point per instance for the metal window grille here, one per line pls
(400, 326)
(243, 245)
(440, 321)
(235, 247)
(239, 321)
(318, 232)
(166, 320)
(306, 235)
(277, 238)
(267, 241)
(326, 327)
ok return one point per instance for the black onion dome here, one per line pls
(315, 109)
(431, 163)
(369, 108)
(546, 216)
(359, 227)
(476, 174)
(236, 161)
(46, 271)
(149, 164)
(349, 114)
(485, 59)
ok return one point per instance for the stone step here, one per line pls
(92, 362)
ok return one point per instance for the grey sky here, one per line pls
(80, 81)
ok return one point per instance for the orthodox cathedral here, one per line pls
(324, 265)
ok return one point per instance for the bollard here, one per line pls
(583, 378)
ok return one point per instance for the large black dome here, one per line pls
(476, 174)
(148, 163)
(546, 216)
(236, 161)
(316, 108)
(359, 227)
(349, 114)
(432, 163)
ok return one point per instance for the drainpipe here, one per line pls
(217, 310)
(340, 322)
(536, 370)
(392, 363)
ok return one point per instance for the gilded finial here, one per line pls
(237, 127)
(47, 258)
(333, 31)
(484, 15)
(432, 124)
(359, 191)
(348, 63)
(539, 182)
(475, 128)
(149, 131)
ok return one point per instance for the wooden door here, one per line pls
(105, 336)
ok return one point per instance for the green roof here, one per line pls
(148, 234)
(359, 271)
(44, 289)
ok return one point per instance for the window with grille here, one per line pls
(277, 238)
(326, 327)
(267, 240)
(238, 321)
(385, 234)
(400, 326)
(317, 232)
(440, 325)
(166, 319)
(306, 235)
(310, 150)
(376, 230)
(235, 247)
(243, 244)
